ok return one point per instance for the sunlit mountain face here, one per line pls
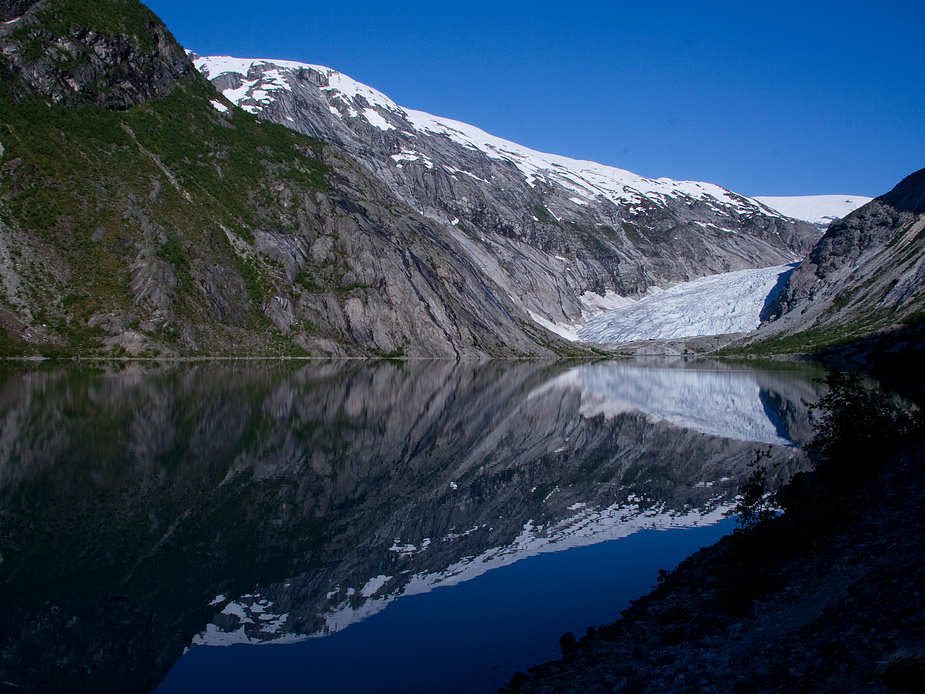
(564, 239)
(145, 511)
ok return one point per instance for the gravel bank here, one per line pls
(825, 620)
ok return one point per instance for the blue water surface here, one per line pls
(470, 637)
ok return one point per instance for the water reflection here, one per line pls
(147, 509)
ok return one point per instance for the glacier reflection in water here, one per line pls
(145, 510)
(548, 425)
(719, 402)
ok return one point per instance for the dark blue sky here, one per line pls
(786, 98)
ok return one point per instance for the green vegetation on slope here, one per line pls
(87, 188)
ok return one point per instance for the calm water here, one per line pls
(351, 527)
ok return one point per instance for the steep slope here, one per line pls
(137, 217)
(865, 275)
(557, 234)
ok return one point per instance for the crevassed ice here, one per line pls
(717, 305)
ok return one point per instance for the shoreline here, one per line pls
(826, 619)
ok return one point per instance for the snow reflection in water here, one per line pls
(720, 403)
(269, 504)
(727, 404)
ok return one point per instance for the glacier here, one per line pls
(455, 173)
(818, 210)
(731, 302)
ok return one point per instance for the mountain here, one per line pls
(818, 210)
(563, 238)
(863, 277)
(142, 214)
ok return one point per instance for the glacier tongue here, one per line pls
(717, 305)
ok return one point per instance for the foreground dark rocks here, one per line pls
(734, 619)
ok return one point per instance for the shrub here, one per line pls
(756, 503)
(859, 427)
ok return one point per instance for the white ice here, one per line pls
(717, 305)
(815, 209)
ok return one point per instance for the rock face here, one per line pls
(139, 218)
(556, 234)
(48, 54)
(865, 274)
(10, 9)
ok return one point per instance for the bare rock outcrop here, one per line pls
(48, 55)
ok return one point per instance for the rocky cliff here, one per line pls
(114, 53)
(560, 236)
(863, 277)
(142, 214)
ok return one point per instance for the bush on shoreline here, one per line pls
(859, 429)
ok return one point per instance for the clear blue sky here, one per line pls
(786, 98)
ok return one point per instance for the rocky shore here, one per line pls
(826, 614)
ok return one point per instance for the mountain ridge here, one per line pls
(557, 234)
(154, 223)
(141, 214)
(863, 278)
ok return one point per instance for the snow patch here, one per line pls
(569, 332)
(593, 304)
(375, 119)
(588, 180)
(373, 585)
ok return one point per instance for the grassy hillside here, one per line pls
(141, 214)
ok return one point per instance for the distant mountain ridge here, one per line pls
(818, 210)
(564, 238)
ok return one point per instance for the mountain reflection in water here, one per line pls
(146, 509)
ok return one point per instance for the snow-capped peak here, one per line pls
(348, 98)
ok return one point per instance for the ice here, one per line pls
(720, 304)
(815, 209)
(218, 105)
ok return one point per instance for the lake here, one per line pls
(351, 526)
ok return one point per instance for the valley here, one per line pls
(282, 358)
